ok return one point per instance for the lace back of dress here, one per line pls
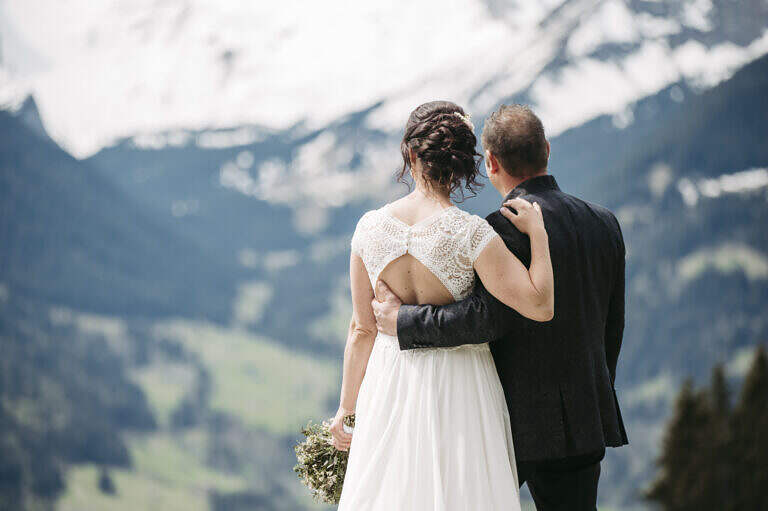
(447, 244)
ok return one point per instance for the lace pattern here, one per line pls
(447, 243)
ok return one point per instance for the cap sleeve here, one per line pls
(482, 235)
(359, 237)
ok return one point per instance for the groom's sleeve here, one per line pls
(614, 326)
(476, 319)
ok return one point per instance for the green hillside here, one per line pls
(70, 236)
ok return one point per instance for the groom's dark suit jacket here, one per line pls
(557, 376)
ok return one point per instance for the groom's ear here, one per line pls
(491, 163)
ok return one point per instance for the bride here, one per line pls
(432, 427)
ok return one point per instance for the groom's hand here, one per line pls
(386, 305)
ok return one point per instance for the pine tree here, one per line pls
(720, 396)
(679, 486)
(750, 431)
(715, 456)
(106, 484)
(717, 469)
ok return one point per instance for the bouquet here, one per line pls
(321, 467)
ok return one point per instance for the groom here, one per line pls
(557, 376)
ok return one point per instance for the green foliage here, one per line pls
(170, 471)
(321, 467)
(276, 500)
(680, 461)
(253, 378)
(106, 484)
(750, 444)
(166, 384)
(69, 236)
(64, 398)
(215, 458)
(715, 457)
(135, 491)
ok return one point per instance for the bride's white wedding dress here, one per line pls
(432, 427)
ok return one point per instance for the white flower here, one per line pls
(467, 120)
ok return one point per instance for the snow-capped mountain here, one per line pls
(102, 71)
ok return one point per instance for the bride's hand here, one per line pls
(528, 218)
(341, 439)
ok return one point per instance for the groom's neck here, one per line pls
(512, 182)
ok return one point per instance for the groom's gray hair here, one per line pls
(515, 136)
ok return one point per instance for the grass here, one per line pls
(164, 384)
(178, 460)
(262, 383)
(168, 474)
(134, 491)
(332, 327)
(252, 298)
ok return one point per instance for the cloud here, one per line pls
(159, 71)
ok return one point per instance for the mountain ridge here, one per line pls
(544, 51)
(53, 203)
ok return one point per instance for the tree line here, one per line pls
(715, 451)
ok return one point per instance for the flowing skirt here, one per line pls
(432, 433)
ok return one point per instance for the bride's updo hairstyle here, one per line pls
(440, 135)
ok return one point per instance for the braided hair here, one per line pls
(441, 137)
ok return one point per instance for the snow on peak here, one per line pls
(113, 69)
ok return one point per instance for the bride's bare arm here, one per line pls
(531, 292)
(360, 338)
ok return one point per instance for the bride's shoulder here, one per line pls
(378, 212)
(368, 219)
(361, 235)
(370, 214)
(476, 231)
(469, 219)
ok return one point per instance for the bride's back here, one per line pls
(425, 255)
(406, 276)
(414, 283)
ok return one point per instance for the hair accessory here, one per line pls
(467, 120)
